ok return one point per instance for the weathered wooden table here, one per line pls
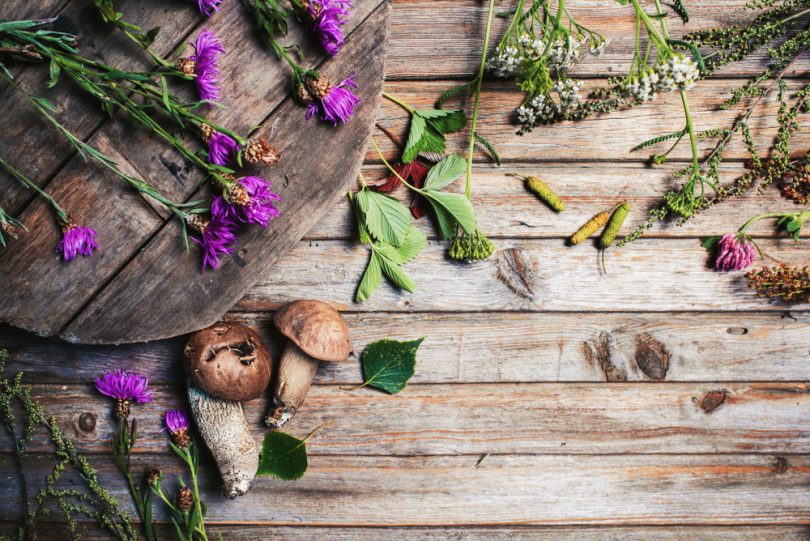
(659, 400)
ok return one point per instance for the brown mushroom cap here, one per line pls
(316, 328)
(228, 361)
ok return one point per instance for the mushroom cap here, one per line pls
(228, 361)
(316, 328)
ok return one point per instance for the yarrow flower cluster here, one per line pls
(735, 252)
(677, 72)
(124, 387)
(328, 18)
(77, 240)
(543, 108)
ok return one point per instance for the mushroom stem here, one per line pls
(296, 370)
(224, 428)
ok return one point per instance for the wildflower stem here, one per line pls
(691, 131)
(60, 212)
(402, 104)
(394, 171)
(479, 79)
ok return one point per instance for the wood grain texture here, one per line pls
(498, 347)
(527, 275)
(442, 38)
(503, 490)
(67, 286)
(474, 419)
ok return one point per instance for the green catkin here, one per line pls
(614, 225)
(590, 227)
(545, 193)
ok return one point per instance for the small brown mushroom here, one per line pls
(317, 333)
(228, 361)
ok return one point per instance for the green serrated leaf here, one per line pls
(283, 456)
(444, 120)
(389, 364)
(371, 279)
(386, 219)
(432, 145)
(456, 205)
(398, 276)
(490, 148)
(445, 172)
(414, 243)
(413, 145)
(456, 90)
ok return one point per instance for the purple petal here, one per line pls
(123, 385)
(77, 240)
(734, 253)
(208, 49)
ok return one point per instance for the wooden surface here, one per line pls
(550, 401)
(105, 299)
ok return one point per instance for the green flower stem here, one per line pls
(390, 168)
(551, 35)
(479, 79)
(691, 131)
(60, 212)
(399, 102)
(650, 26)
(189, 460)
(157, 489)
(801, 216)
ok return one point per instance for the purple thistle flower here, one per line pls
(208, 48)
(220, 148)
(176, 420)
(328, 17)
(248, 200)
(124, 387)
(734, 252)
(217, 237)
(76, 240)
(335, 102)
(208, 7)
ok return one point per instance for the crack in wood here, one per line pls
(517, 270)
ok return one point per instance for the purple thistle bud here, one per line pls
(208, 48)
(177, 424)
(124, 387)
(220, 148)
(208, 7)
(217, 237)
(328, 17)
(335, 102)
(734, 252)
(76, 240)
(248, 200)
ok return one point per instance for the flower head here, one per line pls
(177, 424)
(335, 102)
(124, 387)
(734, 252)
(203, 64)
(217, 237)
(221, 147)
(248, 200)
(185, 499)
(208, 7)
(258, 150)
(76, 240)
(153, 477)
(328, 17)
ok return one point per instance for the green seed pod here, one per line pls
(546, 194)
(590, 227)
(614, 225)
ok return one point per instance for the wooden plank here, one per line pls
(469, 419)
(443, 38)
(503, 490)
(124, 310)
(23, 145)
(510, 211)
(493, 348)
(600, 138)
(472, 533)
(526, 275)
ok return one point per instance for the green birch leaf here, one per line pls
(389, 364)
(414, 139)
(398, 276)
(386, 218)
(283, 456)
(456, 205)
(445, 172)
(413, 245)
(371, 279)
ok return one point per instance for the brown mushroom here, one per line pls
(317, 333)
(228, 361)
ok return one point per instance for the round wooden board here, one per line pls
(142, 285)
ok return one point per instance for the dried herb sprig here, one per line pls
(791, 284)
(93, 500)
